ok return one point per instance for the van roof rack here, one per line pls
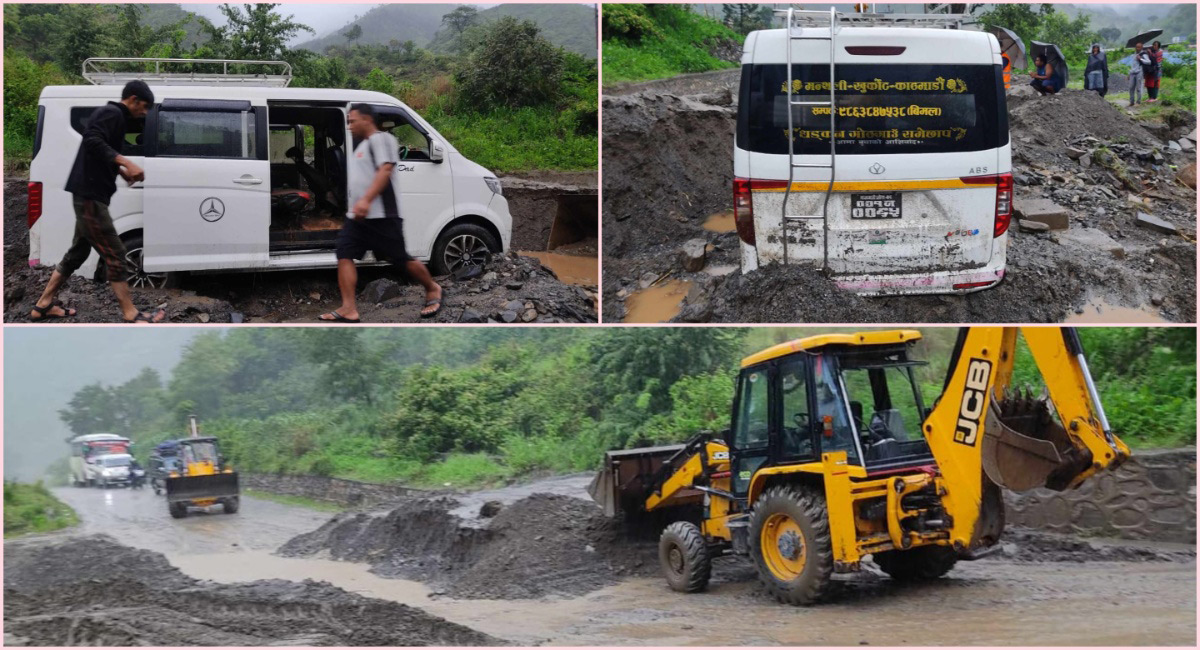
(936, 16)
(103, 71)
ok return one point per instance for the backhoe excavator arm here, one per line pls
(983, 434)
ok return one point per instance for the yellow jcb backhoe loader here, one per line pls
(832, 456)
(202, 478)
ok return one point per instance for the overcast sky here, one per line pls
(44, 366)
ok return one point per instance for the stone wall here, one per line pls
(1151, 497)
(333, 490)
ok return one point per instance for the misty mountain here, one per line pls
(159, 15)
(390, 22)
(570, 26)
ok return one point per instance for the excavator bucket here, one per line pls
(628, 477)
(1024, 447)
(212, 486)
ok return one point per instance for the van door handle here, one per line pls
(248, 180)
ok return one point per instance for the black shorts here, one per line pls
(383, 236)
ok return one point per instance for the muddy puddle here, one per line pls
(656, 304)
(1101, 311)
(720, 222)
(579, 270)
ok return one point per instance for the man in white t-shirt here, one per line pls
(373, 222)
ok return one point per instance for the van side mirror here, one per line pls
(437, 151)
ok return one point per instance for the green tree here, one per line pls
(510, 65)
(1110, 35)
(353, 34)
(745, 18)
(81, 32)
(379, 81)
(90, 411)
(256, 31)
(461, 18)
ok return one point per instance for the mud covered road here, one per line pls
(668, 175)
(583, 585)
(529, 283)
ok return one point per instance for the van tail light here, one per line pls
(971, 285)
(743, 210)
(34, 210)
(1004, 198)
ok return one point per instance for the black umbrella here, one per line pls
(1012, 45)
(1144, 38)
(1053, 55)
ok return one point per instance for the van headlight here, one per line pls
(493, 184)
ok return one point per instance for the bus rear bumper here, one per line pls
(943, 282)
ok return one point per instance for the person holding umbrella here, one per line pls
(1095, 76)
(1137, 71)
(1044, 79)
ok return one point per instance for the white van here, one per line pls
(914, 193)
(86, 452)
(246, 174)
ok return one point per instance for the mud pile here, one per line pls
(534, 202)
(1026, 545)
(16, 231)
(538, 546)
(509, 281)
(93, 591)
(668, 166)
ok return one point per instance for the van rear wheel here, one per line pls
(138, 277)
(462, 245)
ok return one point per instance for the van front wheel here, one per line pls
(461, 246)
(138, 277)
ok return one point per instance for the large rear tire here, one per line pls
(790, 544)
(178, 509)
(918, 564)
(684, 557)
(231, 505)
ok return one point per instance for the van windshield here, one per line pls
(881, 109)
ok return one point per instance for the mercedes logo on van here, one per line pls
(876, 169)
(212, 209)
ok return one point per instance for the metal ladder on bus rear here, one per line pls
(796, 33)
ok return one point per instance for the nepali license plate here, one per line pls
(876, 205)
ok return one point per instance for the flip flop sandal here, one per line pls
(430, 303)
(337, 318)
(68, 312)
(144, 317)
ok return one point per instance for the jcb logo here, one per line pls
(970, 412)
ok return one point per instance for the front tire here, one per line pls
(178, 509)
(231, 505)
(918, 564)
(684, 556)
(460, 246)
(790, 544)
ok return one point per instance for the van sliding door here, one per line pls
(208, 186)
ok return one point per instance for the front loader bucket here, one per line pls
(1024, 447)
(628, 477)
(192, 488)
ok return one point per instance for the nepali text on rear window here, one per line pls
(881, 109)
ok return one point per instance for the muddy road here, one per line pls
(582, 584)
(540, 279)
(668, 188)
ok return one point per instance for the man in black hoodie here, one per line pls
(92, 182)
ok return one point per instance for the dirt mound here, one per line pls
(302, 296)
(1071, 115)
(1025, 545)
(533, 203)
(667, 161)
(16, 231)
(541, 545)
(114, 595)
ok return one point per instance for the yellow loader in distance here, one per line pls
(203, 478)
(833, 456)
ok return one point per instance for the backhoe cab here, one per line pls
(833, 455)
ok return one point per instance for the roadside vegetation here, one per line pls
(655, 41)
(30, 508)
(459, 408)
(502, 93)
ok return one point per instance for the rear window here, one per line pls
(203, 134)
(881, 109)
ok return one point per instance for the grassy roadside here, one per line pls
(290, 500)
(30, 508)
(643, 42)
